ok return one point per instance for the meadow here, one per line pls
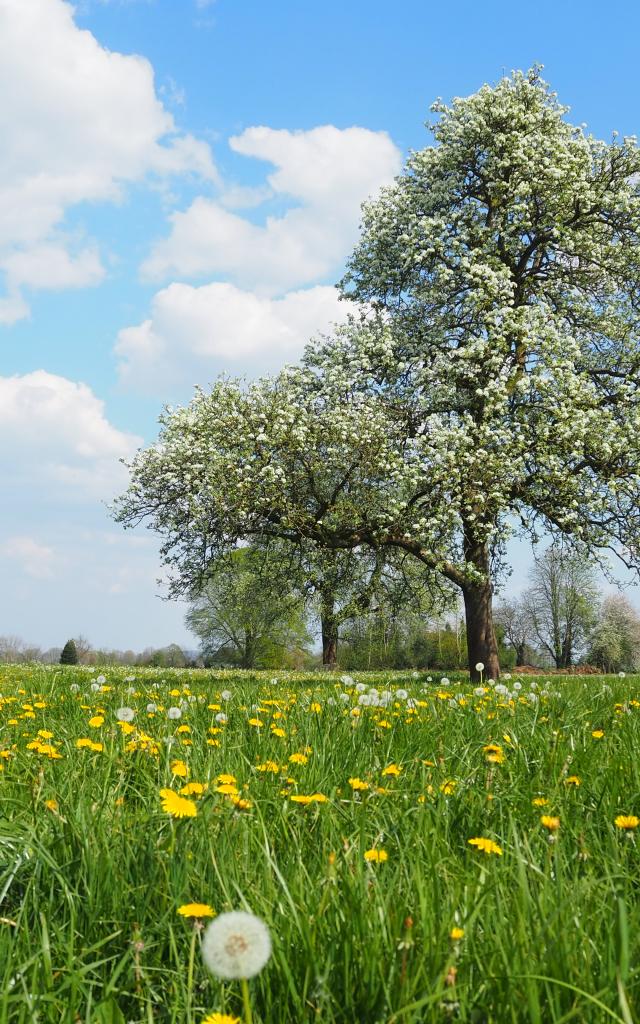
(421, 850)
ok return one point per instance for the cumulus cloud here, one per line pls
(80, 123)
(54, 432)
(326, 173)
(194, 332)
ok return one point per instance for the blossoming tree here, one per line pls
(492, 379)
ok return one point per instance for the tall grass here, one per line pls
(92, 870)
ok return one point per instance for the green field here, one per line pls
(93, 869)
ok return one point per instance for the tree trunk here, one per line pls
(482, 646)
(249, 653)
(329, 627)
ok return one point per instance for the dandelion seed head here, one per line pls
(236, 945)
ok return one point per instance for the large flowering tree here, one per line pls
(493, 380)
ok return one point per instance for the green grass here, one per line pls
(89, 889)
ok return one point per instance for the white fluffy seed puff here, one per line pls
(236, 945)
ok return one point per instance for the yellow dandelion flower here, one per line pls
(486, 845)
(627, 821)
(240, 802)
(448, 787)
(376, 856)
(550, 822)
(227, 788)
(193, 789)
(177, 806)
(196, 910)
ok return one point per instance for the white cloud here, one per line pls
(36, 560)
(196, 332)
(327, 172)
(78, 123)
(53, 267)
(54, 433)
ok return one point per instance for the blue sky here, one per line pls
(180, 189)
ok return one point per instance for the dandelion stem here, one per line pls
(192, 951)
(248, 1017)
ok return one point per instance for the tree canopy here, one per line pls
(490, 376)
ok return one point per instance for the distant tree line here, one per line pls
(13, 650)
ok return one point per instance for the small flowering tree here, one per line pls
(494, 378)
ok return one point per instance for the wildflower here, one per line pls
(550, 822)
(376, 856)
(196, 910)
(486, 845)
(298, 759)
(627, 821)
(227, 788)
(448, 787)
(177, 806)
(193, 789)
(240, 802)
(236, 945)
(456, 934)
(494, 753)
